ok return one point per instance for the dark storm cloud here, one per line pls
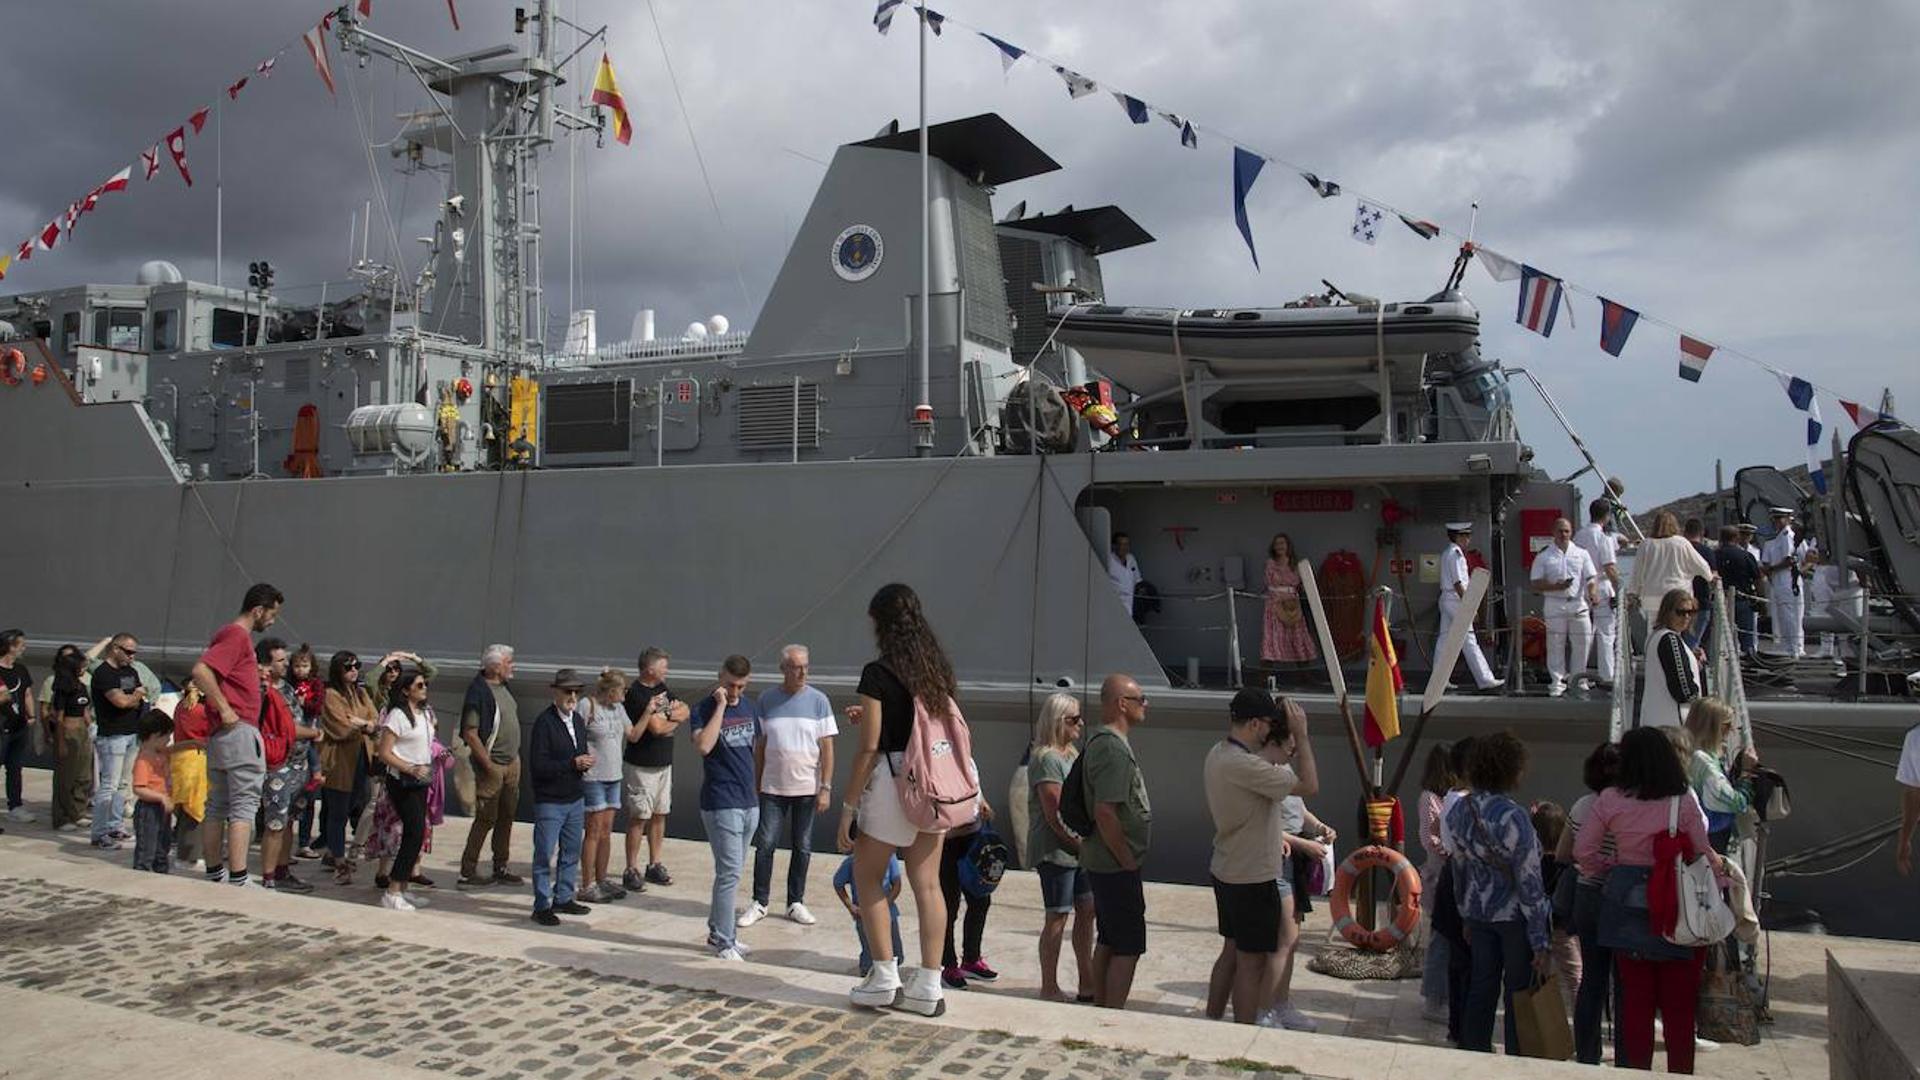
(1744, 170)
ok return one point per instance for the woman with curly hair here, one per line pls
(1285, 638)
(912, 668)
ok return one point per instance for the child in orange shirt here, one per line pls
(153, 810)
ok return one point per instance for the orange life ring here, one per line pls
(13, 366)
(1406, 914)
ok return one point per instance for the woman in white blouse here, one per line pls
(1670, 681)
(405, 748)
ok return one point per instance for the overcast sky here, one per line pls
(1745, 171)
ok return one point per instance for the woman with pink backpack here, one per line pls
(912, 781)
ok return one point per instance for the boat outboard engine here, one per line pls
(1035, 413)
(1466, 394)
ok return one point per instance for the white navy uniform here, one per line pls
(1604, 552)
(1783, 593)
(1453, 571)
(1565, 609)
(1125, 575)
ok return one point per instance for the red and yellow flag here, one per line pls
(1384, 682)
(607, 92)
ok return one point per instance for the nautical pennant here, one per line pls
(607, 92)
(454, 15)
(233, 92)
(1078, 85)
(1499, 267)
(883, 15)
(1326, 188)
(1862, 416)
(177, 146)
(366, 9)
(1136, 109)
(316, 42)
(1616, 322)
(199, 118)
(150, 159)
(1799, 391)
(1246, 169)
(1426, 230)
(1187, 137)
(5, 261)
(50, 235)
(1814, 427)
(265, 67)
(1010, 54)
(1693, 358)
(73, 214)
(26, 250)
(935, 20)
(1366, 221)
(1540, 295)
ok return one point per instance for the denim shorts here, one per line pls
(601, 794)
(1062, 887)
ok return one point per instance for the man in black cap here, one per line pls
(1243, 789)
(558, 756)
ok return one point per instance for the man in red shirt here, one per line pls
(229, 676)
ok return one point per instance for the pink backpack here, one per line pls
(938, 790)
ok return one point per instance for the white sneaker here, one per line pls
(1704, 1045)
(754, 913)
(728, 953)
(742, 948)
(798, 912)
(394, 901)
(1293, 1019)
(881, 988)
(920, 992)
(199, 865)
(1556, 689)
(22, 815)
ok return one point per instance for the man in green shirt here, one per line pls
(1123, 822)
(490, 726)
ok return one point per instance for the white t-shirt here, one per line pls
(1552, 564)
(606, 736)
(413, 739)
(793, 725)
(1601, 548)
(1909, 773)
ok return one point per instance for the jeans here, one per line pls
(1501, 955)
(783, 819)
(557, 825)
(1433, 975)
(333, 821)
(952, 850)
(1596, 976)
(860, 931)
(152, 838)
(13, 755)
(110, 754)
(728, 832)
(1746, 621)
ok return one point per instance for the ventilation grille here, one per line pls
(980, 273)
(589, 418)
(299, 374)
(1024, 265)
(764, 417)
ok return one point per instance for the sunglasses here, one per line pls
(1141, 698)
(1071, 718)
(351, 665)
(1688, 610)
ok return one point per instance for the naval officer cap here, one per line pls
(1780, 511)
(1459, 526)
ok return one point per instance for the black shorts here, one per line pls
(1249, 915)
(1302, 896)
(1120, 912)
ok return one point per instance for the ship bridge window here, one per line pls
(69, 331)
(234, 329)
(118, 328)
(166, 330)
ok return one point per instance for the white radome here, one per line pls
(697, 331)
(717, 326)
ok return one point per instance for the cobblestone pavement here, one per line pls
(477, 1016)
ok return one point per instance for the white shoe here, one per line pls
(22, 815)
(728, 953)
(70, 827)
(920, 992)
(199, 866)
(881, 988)
(754, 913)
(798, 912)
(1294, 1020)
(1704, 1046)
(394, 901)
(1556, 689)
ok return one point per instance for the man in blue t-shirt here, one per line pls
(729, 799)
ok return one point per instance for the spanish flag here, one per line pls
(607, 92)
(1384, 682)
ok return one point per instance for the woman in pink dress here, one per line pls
(1285, 639)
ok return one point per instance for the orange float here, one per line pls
(13, 366)
(1406, 910)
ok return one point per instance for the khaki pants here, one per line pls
(496, 796)
(72, 771)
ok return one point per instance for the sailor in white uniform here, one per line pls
(1779, 559)
(1123, 570)
(1564, 576)
(1453, 588)
(1598, 543)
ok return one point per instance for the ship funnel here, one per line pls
(642, 325)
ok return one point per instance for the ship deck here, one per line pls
(210, 981)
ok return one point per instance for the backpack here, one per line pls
(938, 790)
(984, 863)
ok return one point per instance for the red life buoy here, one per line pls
(1406, 911)
(13, 367)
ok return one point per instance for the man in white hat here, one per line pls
(1781, 563)
(1453, 591)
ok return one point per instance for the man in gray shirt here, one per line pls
(490, 726)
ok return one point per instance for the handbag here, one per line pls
(1725, 1011)
(1540, 1019)
(1703, 917)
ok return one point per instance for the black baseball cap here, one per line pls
(1253, 704)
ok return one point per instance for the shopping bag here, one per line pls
(1540, 1016)
(1725, 1011)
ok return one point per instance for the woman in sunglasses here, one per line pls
(405, 749)
(348, 720)
(1054, 850)
(1671, 680)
